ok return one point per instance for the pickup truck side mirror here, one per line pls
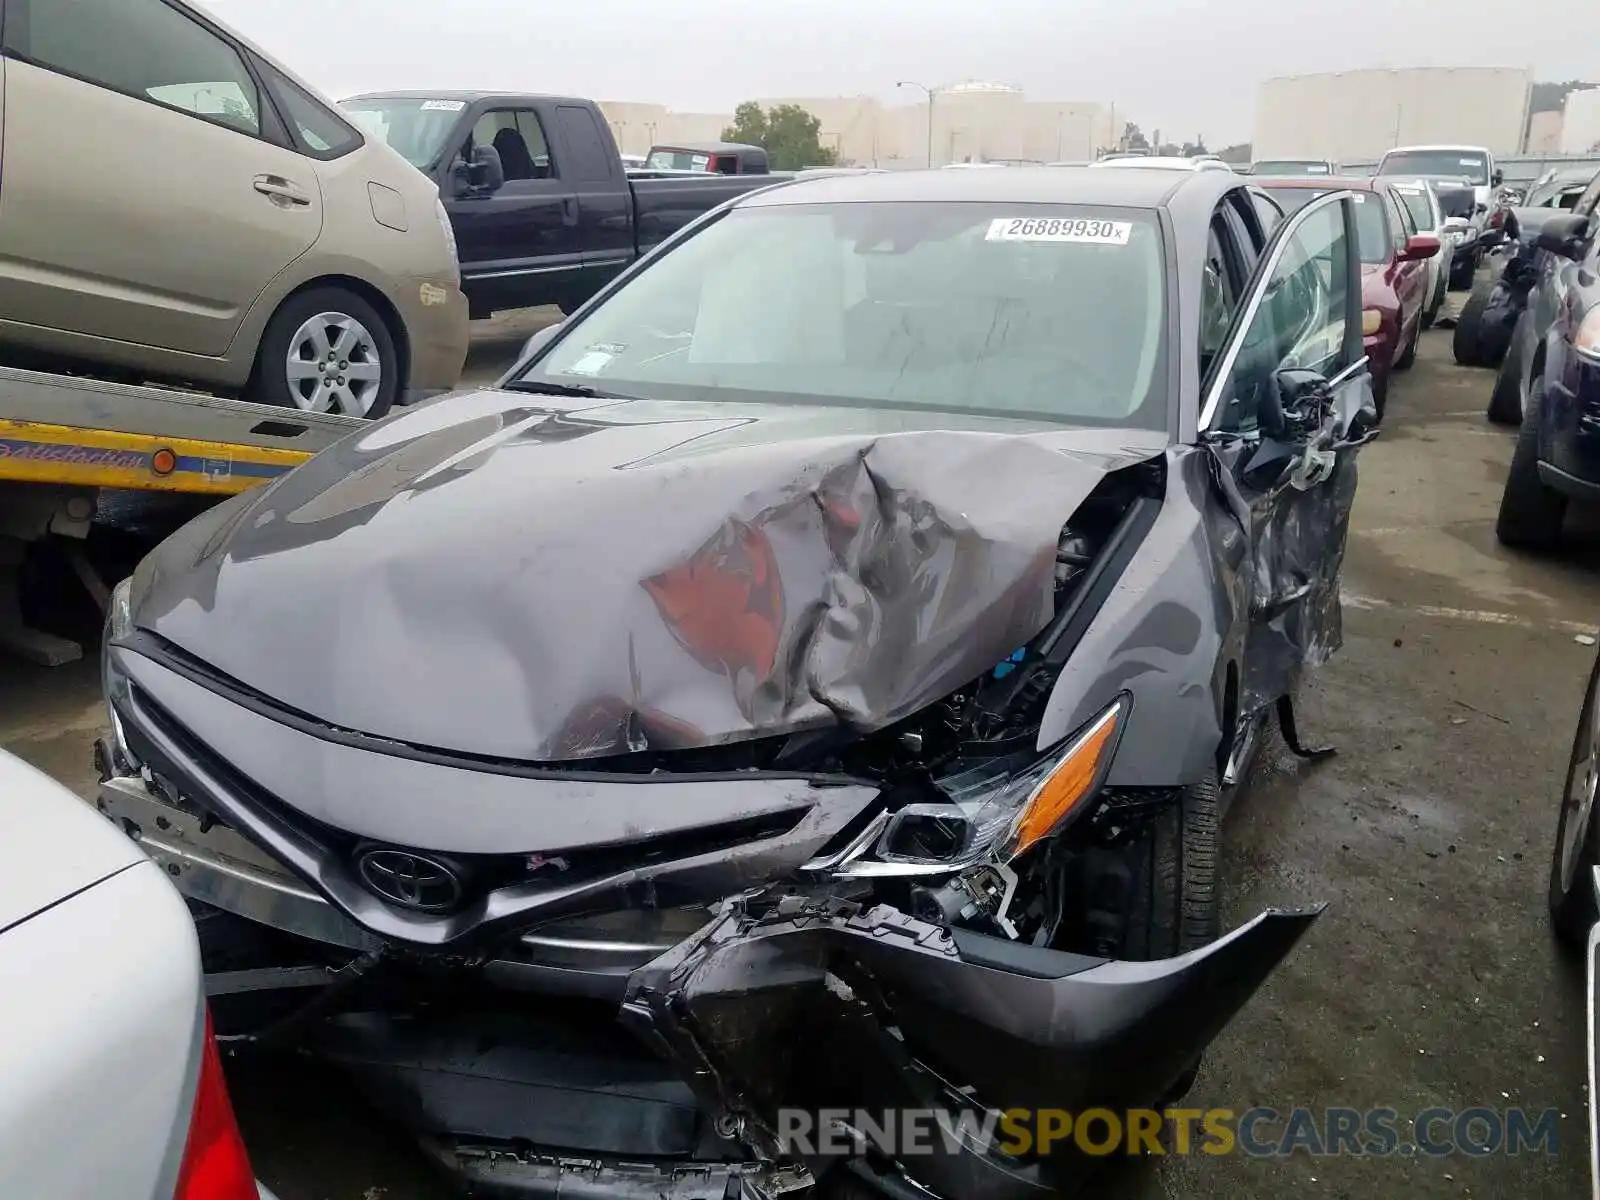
(1564, 236)
(485, 172)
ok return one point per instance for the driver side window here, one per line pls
(1300, 323)
(1219, 298)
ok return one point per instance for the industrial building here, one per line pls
(973, 121)
(1354, 116)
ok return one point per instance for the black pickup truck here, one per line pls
(543, 210)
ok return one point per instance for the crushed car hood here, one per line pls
(546, 579)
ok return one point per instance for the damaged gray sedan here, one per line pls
(808, 681)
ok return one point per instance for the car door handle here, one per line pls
(281, 191)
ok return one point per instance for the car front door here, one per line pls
(1286, 406)
(148, 192)
(605, 201)
(524, 226)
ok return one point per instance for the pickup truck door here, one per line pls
(593, 168)
(528, 225)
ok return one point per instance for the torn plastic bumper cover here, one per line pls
(821, 1002)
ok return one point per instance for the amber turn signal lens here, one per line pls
(1068, 785)
(163, 461)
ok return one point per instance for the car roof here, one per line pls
(1160, 162)
(468, 97)
(1328, 183)
(1405, 149)
(1131, 188)
(709, 147)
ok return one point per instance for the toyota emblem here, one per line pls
(410, 880)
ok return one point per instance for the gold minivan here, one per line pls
(174, 205)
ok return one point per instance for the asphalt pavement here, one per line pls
(1429, 981)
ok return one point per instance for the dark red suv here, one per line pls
(1394, 273)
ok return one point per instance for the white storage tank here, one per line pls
(1354, 116)
(1580, 122)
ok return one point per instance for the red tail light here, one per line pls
(215, 1165)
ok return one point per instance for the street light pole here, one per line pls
(928, 91)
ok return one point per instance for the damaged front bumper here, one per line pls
(787, 1000)
(822, 1004)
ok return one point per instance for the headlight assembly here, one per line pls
(996, 811)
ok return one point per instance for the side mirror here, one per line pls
(1294, 405)
(1419, 246)
(1498, 177)
(485, 173)
(538, 341)
(1564, 236)
(1457, 225)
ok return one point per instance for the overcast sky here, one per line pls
(1182, 67)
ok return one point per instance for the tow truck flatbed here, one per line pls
(65, 437)
(75, 431)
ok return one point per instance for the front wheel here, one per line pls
(327, 351)
(1505, 402)
(1468, 341)
(1176, 907)
(1572, 898)
(1409, 354)
(1530, 513)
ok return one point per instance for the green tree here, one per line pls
(788, 133)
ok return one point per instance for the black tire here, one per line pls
(1505, 401)
(1572, 902)
(1409, 354)
(1530, 513)
(1468, 343)
(1177, 907)
(269, 382)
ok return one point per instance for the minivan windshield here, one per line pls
(1038, 312)
(1438, 164)
(414, 126)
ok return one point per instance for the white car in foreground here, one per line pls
(113, 1085)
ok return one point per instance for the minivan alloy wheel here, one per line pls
(334, 366)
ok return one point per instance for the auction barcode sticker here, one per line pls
(1059, 229)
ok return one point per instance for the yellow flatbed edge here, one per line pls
(32, 452)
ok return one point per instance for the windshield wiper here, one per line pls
(546, 388)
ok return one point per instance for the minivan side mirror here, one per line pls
(1498, 177)
(1564, 236)
(485, 173)
(1456, 225)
